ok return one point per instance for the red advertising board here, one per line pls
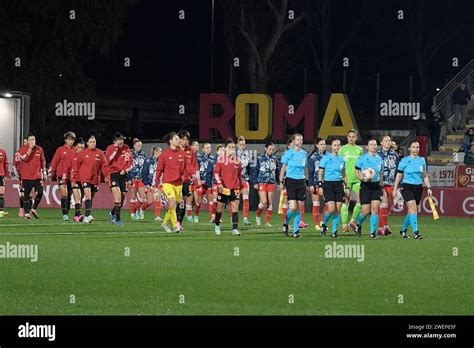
(464, 176)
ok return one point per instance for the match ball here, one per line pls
(367, 174)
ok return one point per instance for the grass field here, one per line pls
(271, 274)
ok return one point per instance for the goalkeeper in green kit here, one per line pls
(351, 153)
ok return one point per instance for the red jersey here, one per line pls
(32, 166)
(171, 164)
(119, 159)
(191, 165)
(89, 163)
(228, 172)
(59, 165)
(73, 169)
(4, 164)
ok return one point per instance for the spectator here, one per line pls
(422, 132)
(468, 139)
(436, 120)
(461, 97)
(469, 157)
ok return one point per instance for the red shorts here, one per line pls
(245, 185)
(149, 189)
(136, 183)
(266, 187)
(388, 189)
(203, 189)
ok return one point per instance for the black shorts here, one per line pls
(28, 185)
(295, 189)
(185, 190)
(370, 191)
(119, 180)
(333, 191)
(2, 181)
(92, 187)
(234, 195)
(412, 192)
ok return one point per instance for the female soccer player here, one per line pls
(33, 172)
(219, 154)
(206, 164)
(90, 164)
(351, 152)
(137, 187)
(4, 174)
(170, 172)
(370, 188)
(390, 162)
(284, 200)
(193, 186)
(264, 178)
(59, 168)
(228, 175)
(17, 170)
(120, 162)
(313, 172)
(293, 169)
(77, 190)
(332, 185)
(412, 169)
(244, 157)
(148, 173)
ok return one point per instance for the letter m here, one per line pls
(306, 111)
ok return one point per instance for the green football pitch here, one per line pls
(139, 269)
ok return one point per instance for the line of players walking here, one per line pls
(183, 177)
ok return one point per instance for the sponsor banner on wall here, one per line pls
(465, 176)
(442, 176)
(457, 202)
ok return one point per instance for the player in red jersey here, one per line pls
(119, 158)
(193, 187)
(4, 174)
(16, 171)
(59, 168)
(170, 171)
(77, 191)
(191, 172)
(220, 151)
(32, 170)
(90, 164)
(228, 175)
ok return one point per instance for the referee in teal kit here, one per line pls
(293, 171)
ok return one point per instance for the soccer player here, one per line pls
(284, 201)
(412, 173)
(390, 162)
(295, 176)
(206, 164)
(89, 164)
(313, 172)
(120, 162)
(193, 187)
(351, 153)
(228, 176)
(191, 173)
(332, 185)
(171, 170)
(59, 168)
(77, 190)
(4, 174)
(32, 169)
(264, 178)
(219, 154)
(137, 187)
(244, 157)
(148, 173)
(370, 188)
(17, 171)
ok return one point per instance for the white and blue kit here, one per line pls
(313, 167)
(206, 165)
(139, 159)
(390, 162)
(265, 170)
(148, 170)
